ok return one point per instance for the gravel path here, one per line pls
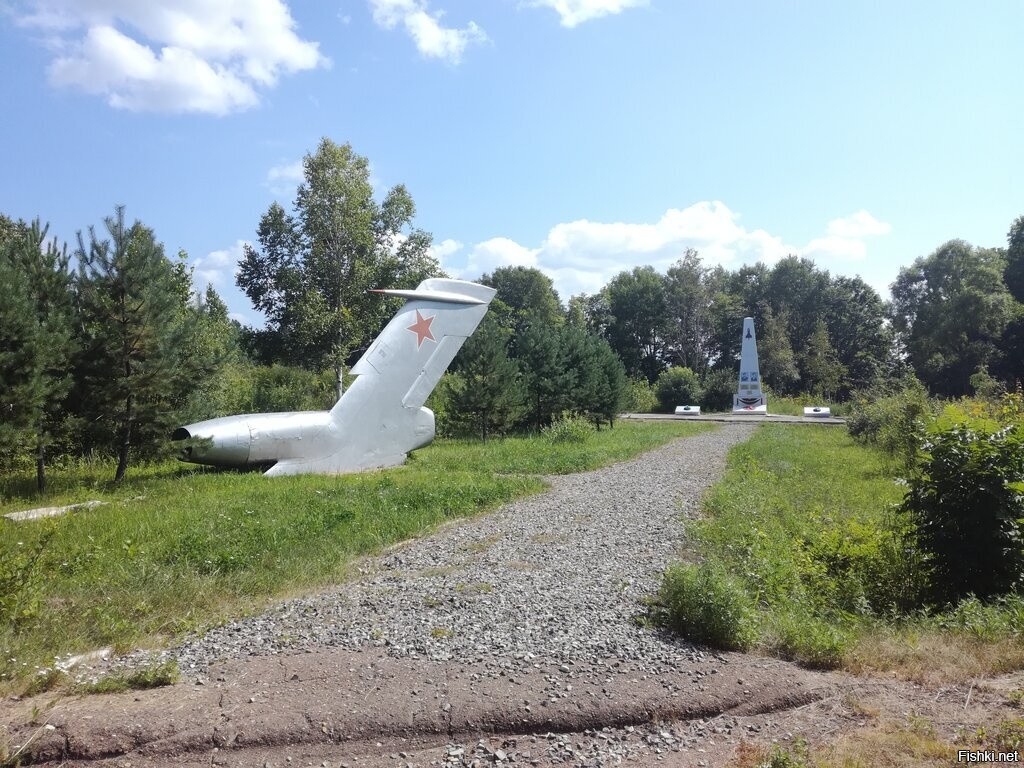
(508, 626)
(555, 577)
(512, 624)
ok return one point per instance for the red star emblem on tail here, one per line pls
(422, 328)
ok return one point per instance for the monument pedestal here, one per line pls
(750, 404)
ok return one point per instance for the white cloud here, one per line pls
(499, 252)
(218, 268)
(441, 251)
(284, 178)
(582, 256)
(838, 248)
(432, 38)
(172, 55)
(859, 224)
(575, 12)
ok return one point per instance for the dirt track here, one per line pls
(365, 708)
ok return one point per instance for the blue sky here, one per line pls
(582, 137)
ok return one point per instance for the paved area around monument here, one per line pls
(738, 418)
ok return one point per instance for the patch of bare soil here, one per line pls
(338, 707)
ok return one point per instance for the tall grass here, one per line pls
(805, 522)
(177, 547)
(799, 519)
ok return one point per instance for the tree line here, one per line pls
(104, 349)
(101, 357)
(952, 313)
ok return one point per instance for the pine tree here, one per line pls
(546, 375)
(37, 341)
(134, 338)
(486, 387)
(17, 360)
(610, 383)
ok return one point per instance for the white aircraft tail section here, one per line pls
(408, 358)
(381, 417)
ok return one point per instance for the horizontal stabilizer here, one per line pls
(452, 298)
(445, 290)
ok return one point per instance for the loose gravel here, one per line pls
(540, 603)
(558, 577)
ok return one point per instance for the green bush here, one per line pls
(22, 576)
(718, 388)
(569, 429)
(677, 386)
(893, 420)
(446, 421)
(246, 388)
(705, 604)
(801, 636)
(968, 503)
(1000, 618)
(639, 397)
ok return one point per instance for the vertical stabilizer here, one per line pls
(414, 350)
(381, 417)
(749, 397)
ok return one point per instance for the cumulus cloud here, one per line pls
(710, 227)
(218, 268)
(284, 178)
(443, 250)
(432, 39)
(171, 55)
(575, 12)
(499, 252)
(582, 256)
(859, 224)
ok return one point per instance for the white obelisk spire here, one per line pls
(749, 398)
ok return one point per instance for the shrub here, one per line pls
(677, 386)
(22, 577)
(968, 503)
(639, 397)
(803, 637)
(446, 421)
(569, 429)
(705, 604)
(892, 420)
(718, 388)
(1003, 617)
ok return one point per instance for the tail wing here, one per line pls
(404, 363)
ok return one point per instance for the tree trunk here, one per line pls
(126, 441)
(339, 382)
(40, 464)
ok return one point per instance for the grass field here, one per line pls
(801, 557)
(178, 547)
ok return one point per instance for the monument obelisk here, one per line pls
(749, 398)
